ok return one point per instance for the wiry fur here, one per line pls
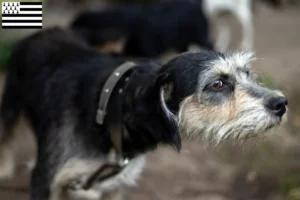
(241, 115)
(55, 81)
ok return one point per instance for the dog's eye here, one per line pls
(218, 84)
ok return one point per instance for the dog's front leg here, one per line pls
(75, 191)
(70, 179)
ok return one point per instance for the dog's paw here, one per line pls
(75, 185)
(76, 191)
(85, 195)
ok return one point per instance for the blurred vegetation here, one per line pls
(294, 194)
(267, 81)
(290, 185)
(5, 51)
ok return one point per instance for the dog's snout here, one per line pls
(277, 105)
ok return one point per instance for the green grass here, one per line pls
(290, 185)
(268, 81)
(5, 51)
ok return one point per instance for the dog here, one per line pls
(55, 84)
(150, 30)
(146, 30)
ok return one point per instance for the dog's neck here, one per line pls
(147, 123)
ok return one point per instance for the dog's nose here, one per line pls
(277, 105)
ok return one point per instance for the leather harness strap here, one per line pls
(116, 135)
(108, 89)
(115, 128)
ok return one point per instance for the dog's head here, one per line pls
(218, 96)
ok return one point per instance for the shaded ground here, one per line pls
(268, 170)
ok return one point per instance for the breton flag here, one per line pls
(22, 15)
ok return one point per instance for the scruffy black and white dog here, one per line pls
(54, 82)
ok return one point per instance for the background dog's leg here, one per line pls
(224, 37)
(7, 158)
(10, 110)
(245, 18)
(11, 145)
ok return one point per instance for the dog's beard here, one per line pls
(216, 125)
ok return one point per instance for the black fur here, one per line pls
(150, 29)
(55, 81)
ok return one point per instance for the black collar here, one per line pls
(107, 90)
(116, 128)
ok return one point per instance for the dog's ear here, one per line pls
(162, 78)
(169, 119)
(148, 118)
(166, 88)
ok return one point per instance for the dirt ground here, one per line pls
(257, 170)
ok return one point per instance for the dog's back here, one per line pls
(46, 72)
(34, 55)
(37, 64)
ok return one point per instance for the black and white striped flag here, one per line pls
(22, 15)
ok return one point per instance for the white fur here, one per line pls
(241, 9)
(240, 117)
(76, 171)
(169, 114)
(9, 146)
(7, 160)
(231, 62)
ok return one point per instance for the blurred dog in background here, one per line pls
(146, 30)
(152, 29)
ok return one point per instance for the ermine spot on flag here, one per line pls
(22, 15)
